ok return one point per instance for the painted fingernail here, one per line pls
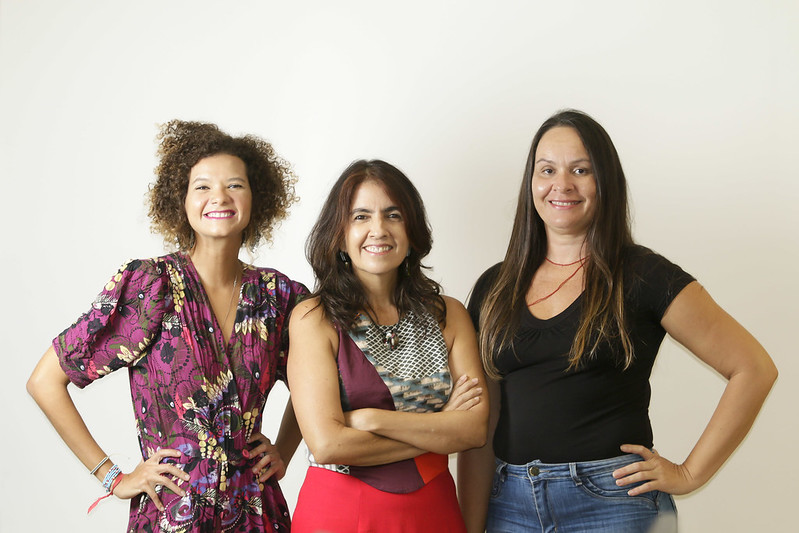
(245, 453)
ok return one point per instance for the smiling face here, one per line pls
(218, 200)
(563, 185)
(375, 237)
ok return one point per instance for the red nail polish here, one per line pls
(245, 453)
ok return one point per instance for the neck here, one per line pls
(379, 292)
(216, 263)
(566, 248)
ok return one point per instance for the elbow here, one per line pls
(767, 372)
(481, 436)
(477, 437)
(325, 451)
(34, 386)
(771, 374)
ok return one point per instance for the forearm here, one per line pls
(731, 421)
(443, 432)
(348, 446)
(288, 436)
(475, 475)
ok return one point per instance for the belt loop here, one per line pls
(573, 474)
(502, 466)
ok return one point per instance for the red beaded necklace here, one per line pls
(581, 261)
(564, 264)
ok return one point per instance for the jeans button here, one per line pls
(533, 470)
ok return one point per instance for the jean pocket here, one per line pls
(498, 482)
(604, 486)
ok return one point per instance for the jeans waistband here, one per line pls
(537, 470)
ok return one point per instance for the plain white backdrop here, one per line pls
(698, 95)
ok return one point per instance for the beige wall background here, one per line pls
(699, 96)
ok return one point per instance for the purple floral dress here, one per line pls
(190, 390)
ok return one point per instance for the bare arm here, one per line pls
(446, 431)
(48, 386)
(699, 324)
(288, 436)
(275, 457)
(313, 381)
(476, 471)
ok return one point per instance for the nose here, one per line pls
(563, 182)
(219, 195)
(377, 227)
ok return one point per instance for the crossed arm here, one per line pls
(367, 437)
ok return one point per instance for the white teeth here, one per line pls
(562, 204)
(377, 249)
(219, 215)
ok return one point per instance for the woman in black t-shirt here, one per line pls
(570, 324)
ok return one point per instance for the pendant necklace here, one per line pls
(232, 294)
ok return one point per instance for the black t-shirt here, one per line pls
(559, 416)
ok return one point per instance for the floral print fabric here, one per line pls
(191, 391)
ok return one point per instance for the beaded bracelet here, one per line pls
(110, 476)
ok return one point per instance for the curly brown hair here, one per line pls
(181, 145)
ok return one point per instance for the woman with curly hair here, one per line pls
(203, 338)
(384, 370)
(570, 325)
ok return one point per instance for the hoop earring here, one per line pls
(345, 258)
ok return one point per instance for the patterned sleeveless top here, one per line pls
(404, 367)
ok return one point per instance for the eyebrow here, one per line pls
(365, 210)
(581, 160)
(203, 177)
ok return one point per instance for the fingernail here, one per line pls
(245, 453)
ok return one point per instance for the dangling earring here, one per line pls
(408, 263)
(344, 258)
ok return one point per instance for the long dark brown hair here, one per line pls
(607, 238)
(340, 292)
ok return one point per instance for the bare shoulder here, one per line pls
(308, 311)
(455, 309)
(459, 323)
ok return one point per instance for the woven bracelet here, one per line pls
(110, 476)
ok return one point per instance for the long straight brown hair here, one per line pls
(341, 294)
(608, 236)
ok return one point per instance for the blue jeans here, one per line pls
(574, 497)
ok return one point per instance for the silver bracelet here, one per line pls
(96, 468)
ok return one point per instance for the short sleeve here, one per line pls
(120, 326)
(479, 293)
(657, 282)
(295, 293)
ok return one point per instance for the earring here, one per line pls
(344, 258)
(408, 263)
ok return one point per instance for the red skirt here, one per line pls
(330, 502)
